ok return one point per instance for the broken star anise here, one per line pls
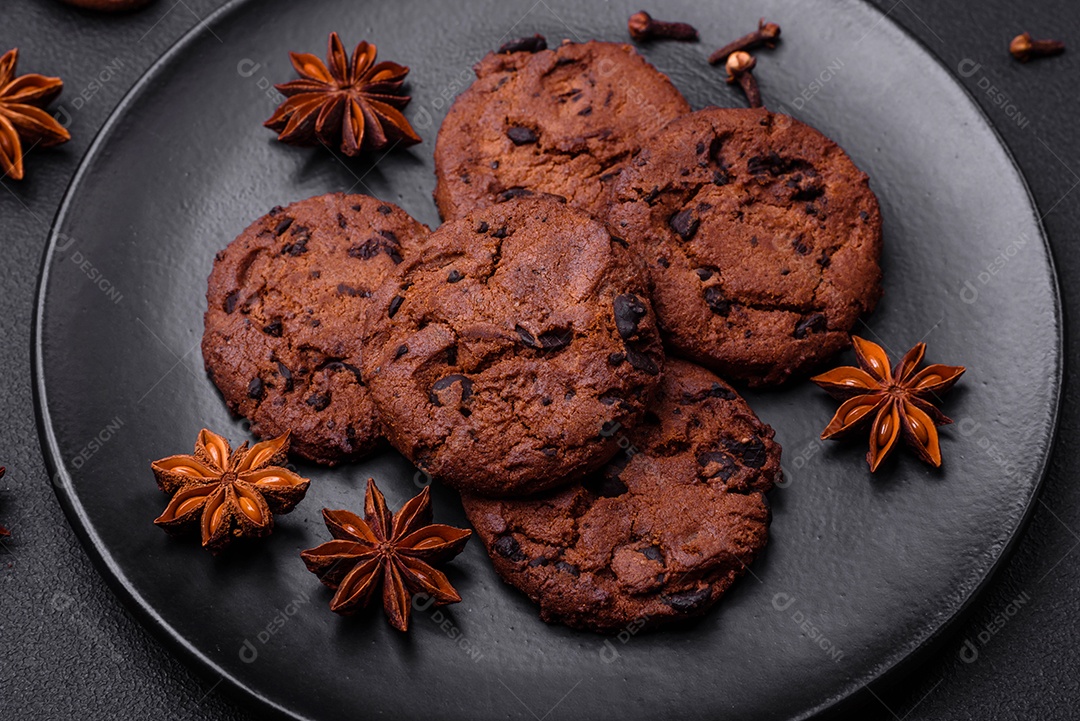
(22, 119)
(228, 493)
(388, 550)
(355, 104)
(895, 401)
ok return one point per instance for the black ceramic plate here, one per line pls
(861, 571)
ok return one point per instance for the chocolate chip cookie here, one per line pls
(502, 356)
(761, 236)
(285, 305)
(662, 532)
(559, 121)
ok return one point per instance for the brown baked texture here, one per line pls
(662, 532)
(560, 121)
(284, 309)
(498, 356)
(761, 236)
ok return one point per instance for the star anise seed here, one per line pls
(388, 550)
(228, 493)
(896, 402)
(22, 118)
(352, 104)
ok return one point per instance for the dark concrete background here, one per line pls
(67, 647)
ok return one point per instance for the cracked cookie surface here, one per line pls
(284, 309)
(662, 531)
(560, 121)
(500, 354)
(761, 236)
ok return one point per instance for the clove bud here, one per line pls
(739, 67)
(643, 27)
(767, 35)
(1023, 48)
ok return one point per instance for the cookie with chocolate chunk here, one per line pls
(662, 532)
(284, 309)
(761, 236)
(501, 357)
(560, 121)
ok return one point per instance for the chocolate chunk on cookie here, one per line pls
(285, 306)
(500, 355)
(661, 532)
(761, 236)
(561, 121)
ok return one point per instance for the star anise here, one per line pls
(395, 552)
(896, 402)
(356, 104)
(228, 493)
(22, 119)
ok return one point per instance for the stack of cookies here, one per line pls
(559, 350)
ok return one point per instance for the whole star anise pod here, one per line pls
(381, 549)
(356, 104)
(228, 493)
(895, 402)
(22, 119)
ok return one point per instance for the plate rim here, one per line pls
(60, 479)
(203, 666)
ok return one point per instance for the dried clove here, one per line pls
(644, 27)
(739, 67)
(1023, 48)
(767, 35)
